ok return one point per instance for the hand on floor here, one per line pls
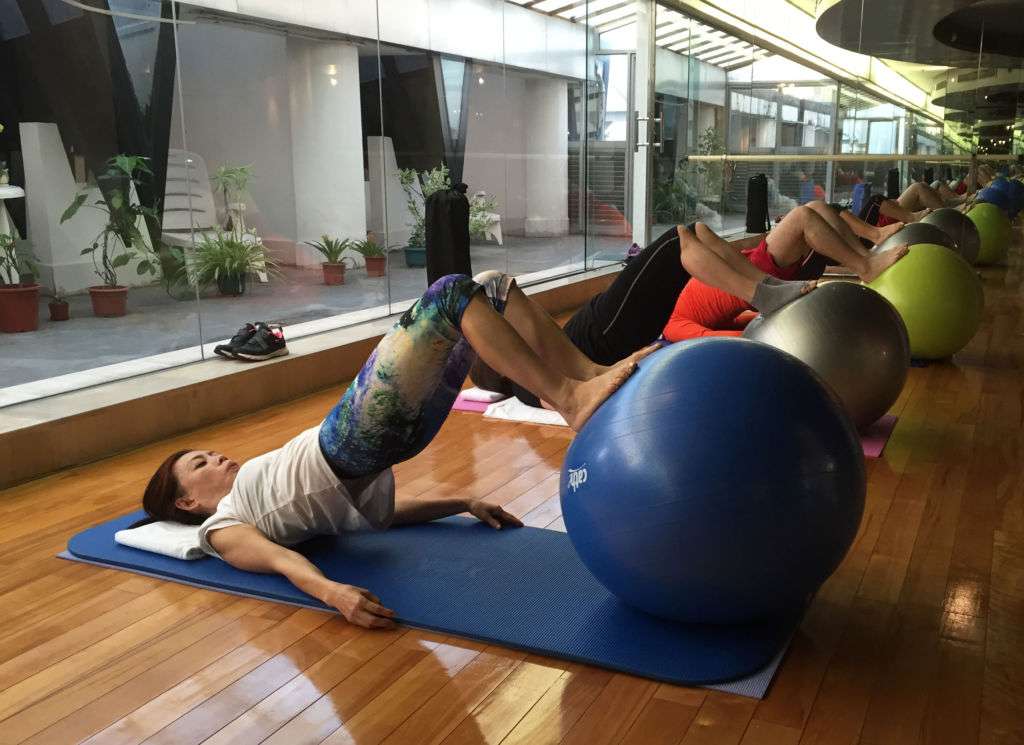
(493, 515)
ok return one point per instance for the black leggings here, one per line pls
(632, 312)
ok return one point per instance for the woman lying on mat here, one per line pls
(337, 476)
(634, 311)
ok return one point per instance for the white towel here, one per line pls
(515, 410)
(479, 394)
(167, 538)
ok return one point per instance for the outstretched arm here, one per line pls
(246, 548)
(409, 511)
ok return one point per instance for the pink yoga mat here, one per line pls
(462, 404)
(873, 439)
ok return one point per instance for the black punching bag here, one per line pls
(758, 219)
(892, 184)
(447, 233)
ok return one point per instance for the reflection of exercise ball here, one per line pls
(998, 197)
(938, 296)
(995, 231)
(956, 225)
(722, 483)
(918, 232)
(852, 337)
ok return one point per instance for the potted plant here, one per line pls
(417, 187)
(228, 261)
(332, 249)
(5, 174)
(231, 182)
(373, 252)
(59, 308)
(19, 300)
(120, 241)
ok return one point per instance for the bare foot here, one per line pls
(879, 262)
(599, 370)
(921, 214)
(584, 397)
(888, 230)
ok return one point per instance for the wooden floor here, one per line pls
(919, 637)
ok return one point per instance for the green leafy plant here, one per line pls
(710, 142)
(369, 248)
(232, 182)
(223, 255)
(60, 295)
(481, 207)
(13, 261)
(419, 186)
(332, 248)
(120, 241)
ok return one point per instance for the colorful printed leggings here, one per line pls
(403, 393)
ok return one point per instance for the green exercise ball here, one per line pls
(938, 296)
(995, 231)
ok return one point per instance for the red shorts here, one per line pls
(884, 220)
(762, 259)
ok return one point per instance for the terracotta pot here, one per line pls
(231, 285)
(19, 308)
(375, 266)
(334, 274)
(59, 311)
(109, 302)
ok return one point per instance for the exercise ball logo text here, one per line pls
(577, 477)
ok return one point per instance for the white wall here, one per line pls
(236, 104)
(495, 144)
(327, 143)
(485, 30)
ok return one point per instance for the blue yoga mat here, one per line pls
(523, 588)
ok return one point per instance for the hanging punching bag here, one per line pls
(758, 220)
(447, 233)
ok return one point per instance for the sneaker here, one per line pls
(241, 336)
(267, 342)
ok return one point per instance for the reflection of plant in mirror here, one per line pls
(14, 263)
(481, 207)
(231, 182)
(674, 201)
(120, 241)
(369, 248)
(711, 174)
(225, 256)
(332, 248)
(419, 186)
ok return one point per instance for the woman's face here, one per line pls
(205, 477)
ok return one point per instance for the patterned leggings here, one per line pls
(406, 388)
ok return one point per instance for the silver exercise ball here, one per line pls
(918, 232)
(852, 337)
(958, 227)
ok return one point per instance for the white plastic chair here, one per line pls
(190, 213)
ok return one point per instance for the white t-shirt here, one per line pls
(291, 494)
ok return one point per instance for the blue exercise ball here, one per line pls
(723, 483)
(998, 198)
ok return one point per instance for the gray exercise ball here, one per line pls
(960, 228)
(852, 337)
(918, 232)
